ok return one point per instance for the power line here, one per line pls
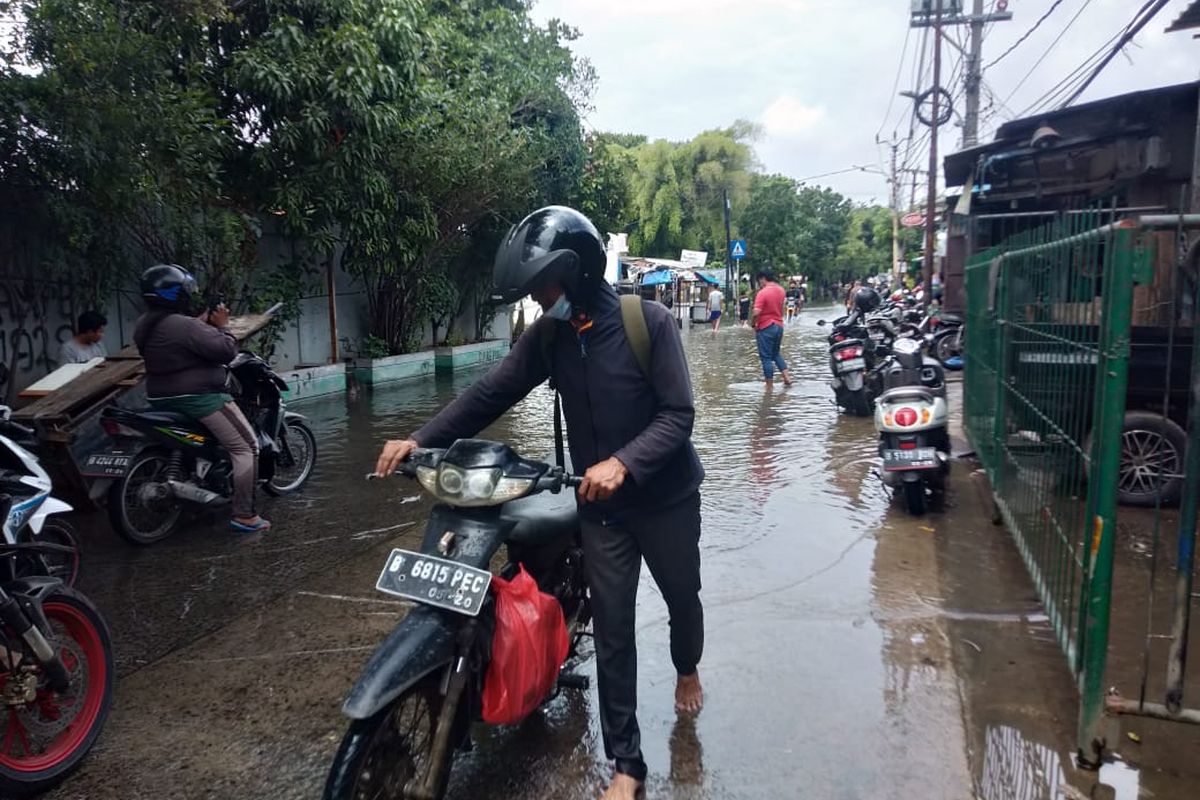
(1026, 35)
(1047, 52)
(895, 84)
(1136, 26)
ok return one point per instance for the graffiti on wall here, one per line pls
(35, 319)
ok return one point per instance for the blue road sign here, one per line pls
(737, 249)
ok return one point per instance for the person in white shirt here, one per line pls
(715, 299)
(87, 343)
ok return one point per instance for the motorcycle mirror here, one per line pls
(822, 322)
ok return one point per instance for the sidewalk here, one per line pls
(1018, 697)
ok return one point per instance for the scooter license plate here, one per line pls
(920, 458)
(434, 581)
(852, 364)
(107, 465)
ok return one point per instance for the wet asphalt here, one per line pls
(834, 665)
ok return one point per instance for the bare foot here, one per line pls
(689, 696)
(623, 787)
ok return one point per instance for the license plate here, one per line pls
(851, 364)
(107, 465)
(434, 581)
(877, 336)
(920, 458)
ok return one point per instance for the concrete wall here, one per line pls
(37, 317)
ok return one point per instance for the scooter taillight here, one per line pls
(837, 337)
(847, 353)
(906, 417)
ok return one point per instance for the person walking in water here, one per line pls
(767, 320)
(715, 299)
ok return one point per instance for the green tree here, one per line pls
(772, 222)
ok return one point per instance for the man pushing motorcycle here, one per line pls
(629, 414)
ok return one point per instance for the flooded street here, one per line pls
(835, 623)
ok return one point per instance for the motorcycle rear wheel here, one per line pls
(914, 497)
(66, 725)
(382, 753)
(137, 517)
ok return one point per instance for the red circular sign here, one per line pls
(914, 219)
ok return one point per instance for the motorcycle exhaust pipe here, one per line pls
(194, 494)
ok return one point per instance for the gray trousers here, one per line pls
(669, 540)
(234, 433)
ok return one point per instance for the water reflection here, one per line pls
(1018, 768)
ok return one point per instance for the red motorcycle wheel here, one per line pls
(45, 738)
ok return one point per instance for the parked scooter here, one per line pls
(852, 360)
(33, 521)
(948, 341)
(912, 418)
(414, 703)
(163, 461)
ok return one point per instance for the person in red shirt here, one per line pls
(767, 320)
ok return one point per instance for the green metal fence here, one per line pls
(1048, 343)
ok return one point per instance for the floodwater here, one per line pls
(834, 621)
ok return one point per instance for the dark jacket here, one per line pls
(183, 355)
(611, 409)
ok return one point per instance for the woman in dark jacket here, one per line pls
(186, 371)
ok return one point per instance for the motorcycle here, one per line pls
(32, 521)
(912, 418)
(56, 670)
(162, 460)
(852, 359)
(417, 696)
(948, 342)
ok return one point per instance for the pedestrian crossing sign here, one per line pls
(737, 249)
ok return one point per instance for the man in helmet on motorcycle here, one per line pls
(186, 371)
(629, 427)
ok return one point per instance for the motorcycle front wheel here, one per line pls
(295, 463)
(382, 754)
(140, 506)
(61, 565)
(45, 738)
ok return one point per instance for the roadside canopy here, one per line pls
(658, 277)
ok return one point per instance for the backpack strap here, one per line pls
(633, 317)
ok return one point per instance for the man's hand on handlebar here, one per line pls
(394, 453)
(602, 480)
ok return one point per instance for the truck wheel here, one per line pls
(1152, 460)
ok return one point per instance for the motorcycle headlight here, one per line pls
(471, 487)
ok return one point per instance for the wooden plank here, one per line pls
(98, 380)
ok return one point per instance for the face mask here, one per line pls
(561, 310)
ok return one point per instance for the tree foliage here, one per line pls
(404, 135)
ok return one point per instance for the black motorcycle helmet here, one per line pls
(552, 243)
(168, 287)
(866, 300)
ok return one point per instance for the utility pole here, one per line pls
(931, 207)
(728, 255)
(974, 78)
(936, 14)
(895, 204)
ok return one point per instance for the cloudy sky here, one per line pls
(818, 74)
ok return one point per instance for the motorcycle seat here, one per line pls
(908, 393)
(951, 319)
(542, 518)
(153, 417)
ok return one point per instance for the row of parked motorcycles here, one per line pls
(889, 360)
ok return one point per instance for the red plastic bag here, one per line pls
(527, 650)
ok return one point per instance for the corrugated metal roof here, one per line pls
(1190, 18)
